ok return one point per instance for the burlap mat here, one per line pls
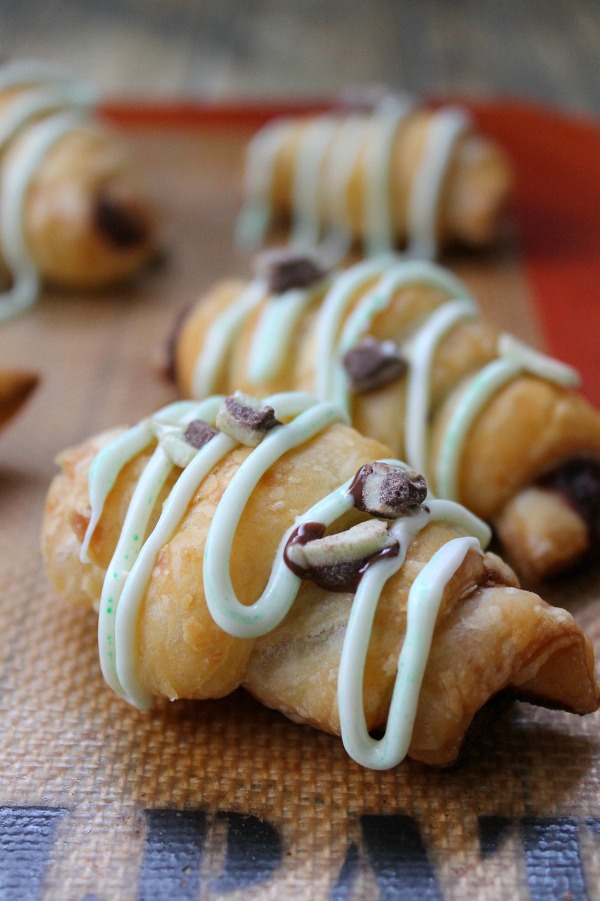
(226, 799)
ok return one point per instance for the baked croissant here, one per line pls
(15, 387)
(401, 346)
(379, 170)
(378, 603)
(71, 213)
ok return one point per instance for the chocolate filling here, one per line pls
(578, 480)
(199, 433)
(339, 577)
(121, 225)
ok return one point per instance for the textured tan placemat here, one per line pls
(226, 799)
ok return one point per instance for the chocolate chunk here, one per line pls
(119, 222)
(371, 364)
(381, 489)
(338, 576)
(199, 433)
(284, 269)
(182, 444)
(337, 562)
(246, 418)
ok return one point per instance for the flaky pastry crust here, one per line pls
(88, 221)
(472, 200)
(490, 635)
(528, 428)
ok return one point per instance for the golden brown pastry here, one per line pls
(267, 544)
(400, 345)
(380, 170)
(71, 211)
(15, 388)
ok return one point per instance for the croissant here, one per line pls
(401, 346)
(267, 544)
(15, 387)
(71, 213)
(379, 170)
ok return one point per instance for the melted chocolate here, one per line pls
(578, 480)
(121, 225)
(338, 577)
(306, 531)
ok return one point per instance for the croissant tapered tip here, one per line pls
(15, 389)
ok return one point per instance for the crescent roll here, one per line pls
(267, 544)
(71, 211)
(15, 388)
(400, 345)
(381, 171)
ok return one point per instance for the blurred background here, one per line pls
(544, 50)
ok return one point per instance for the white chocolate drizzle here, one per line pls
(314, 144)
(403, 274)
(421, 353)
(387, 120)
(255, 218)
(515, 359)
(221, 336)
(134, 558)
(346, 315)
(275, 331)
(49, 107)
(339, 163)
(446, 128)
(333, 310)
(325, 159)
(424, 599)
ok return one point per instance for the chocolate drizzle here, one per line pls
(306, 531)
(338, 577)
(578, 480)
(120, 223)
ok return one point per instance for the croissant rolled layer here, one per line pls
(88, 223)
(393, 175)
(488, 635)
(401, 345)
(74, 214)
(15, 388)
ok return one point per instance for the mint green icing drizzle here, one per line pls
(134, 559)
